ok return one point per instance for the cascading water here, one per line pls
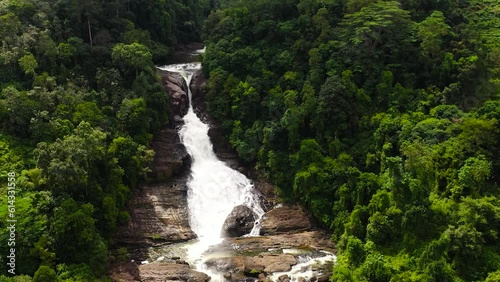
(214, 189)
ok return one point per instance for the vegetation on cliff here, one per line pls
(381, 117)
(79, 101)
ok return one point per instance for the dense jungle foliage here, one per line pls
(79, 101)
(381, 117)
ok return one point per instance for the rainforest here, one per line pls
(379, 118)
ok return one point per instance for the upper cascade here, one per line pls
(186, 71)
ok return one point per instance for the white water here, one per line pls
(305, 266)
(214, 189)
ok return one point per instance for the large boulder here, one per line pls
(176, 88)
(246, 265)
(239, 222)
(270, 263)
(286, 219)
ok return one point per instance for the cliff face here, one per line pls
(158, 209)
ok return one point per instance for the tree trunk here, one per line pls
(90, 31)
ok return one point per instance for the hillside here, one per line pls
(381, 117)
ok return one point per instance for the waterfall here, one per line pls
(214, 189)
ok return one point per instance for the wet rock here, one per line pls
(177, 119)
(181, 262)
(284, 278)
(268, 197)
(220, 143)
(170, 271)
(128, 271)
(252, 255)
(197, 83)
(274, 264)
(313, 239)
(263, 278)
(227, 275)
(286, 219)
(250, 265)
(239, 222)
(324, 278)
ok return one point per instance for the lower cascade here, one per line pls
(214, 190)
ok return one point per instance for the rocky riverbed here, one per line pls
(159, 228)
